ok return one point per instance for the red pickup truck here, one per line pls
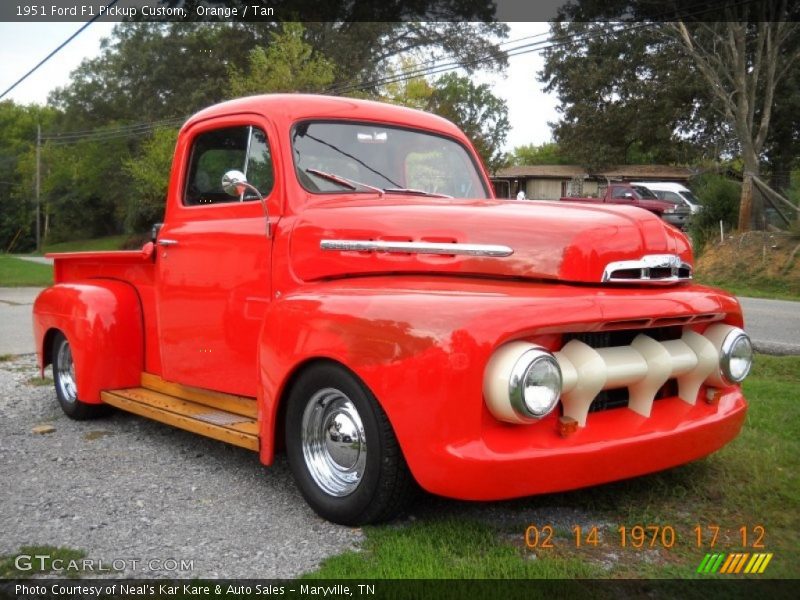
(627, 194)
(334, 277)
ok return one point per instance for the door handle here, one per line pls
(166, 242)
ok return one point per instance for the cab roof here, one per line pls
(667, 186)
(286, 109)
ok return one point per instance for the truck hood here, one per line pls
(548, 240)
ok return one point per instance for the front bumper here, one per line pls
(679, 220)
(510, 461)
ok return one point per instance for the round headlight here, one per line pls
(736, 356)
(535, 384)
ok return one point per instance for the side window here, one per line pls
(215, 152)
(619, 192)
(259, 165)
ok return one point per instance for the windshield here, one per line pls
(690, 197)
(359, 157)
(671, 197)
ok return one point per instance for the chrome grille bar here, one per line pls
(652, 268)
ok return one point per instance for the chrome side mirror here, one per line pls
(235, 184)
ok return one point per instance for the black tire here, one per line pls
(64, 379)
(377, 485)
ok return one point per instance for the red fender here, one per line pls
(421, 347)
(102, 319)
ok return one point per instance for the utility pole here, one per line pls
(38, 185)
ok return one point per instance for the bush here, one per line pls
(150, 171)
(720, 199)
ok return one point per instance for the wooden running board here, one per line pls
(224, 417)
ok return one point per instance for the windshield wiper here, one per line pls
(343, 181)
(347, 154)
(353, 185)
(415, 192)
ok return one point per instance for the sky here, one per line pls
(22, 45)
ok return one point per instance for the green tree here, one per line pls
(17, 172)
(672, 91)
(154, 71)
(782, 148)
(479, 113)
(414, 92)
(545, 154)
(627, 95)
(743, 62)
(149, 171)
(83, 188)
(366, 52)
(720, 199)
(288, 64)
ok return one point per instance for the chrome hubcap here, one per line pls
(334, 445)
(65, 377)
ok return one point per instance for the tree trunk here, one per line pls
(746, 203)
(751, 209)
(46, 227)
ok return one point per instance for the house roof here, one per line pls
(637, 172)
(543, 171)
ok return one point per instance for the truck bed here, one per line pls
(134, 267)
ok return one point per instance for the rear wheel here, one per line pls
(66, 383)
(342, 449)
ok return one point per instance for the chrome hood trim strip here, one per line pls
(487, 250)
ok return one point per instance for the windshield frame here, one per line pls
(689, 196)
(477, 166)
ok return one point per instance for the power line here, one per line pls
(137, 129)
(421, 69)
(147, 127)
(54, 52)
(434, 67)
(61, 135)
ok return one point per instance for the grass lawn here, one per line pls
(755, 264)
(17, 273)
(113, 242)
(753, 483)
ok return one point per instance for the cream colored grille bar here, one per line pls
(642, 367)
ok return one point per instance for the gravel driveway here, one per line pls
(128, 489)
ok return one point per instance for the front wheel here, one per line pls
(66, 386)
(342, 450)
